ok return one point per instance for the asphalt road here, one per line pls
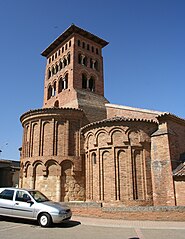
(92, 228)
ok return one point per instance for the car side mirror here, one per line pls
(30, 201)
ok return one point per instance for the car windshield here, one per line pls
(38, 196)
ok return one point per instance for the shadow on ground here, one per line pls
(65, 224)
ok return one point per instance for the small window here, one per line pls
(49, 92)
(21, 196)
(92, 48)
(59, 52)
(56, 105)
(92, 84)
(60, 85)
(49, 60)
(66, 46)
(53, 58)
(91, 63)
(60, 65)
(65, 62)
(79, 58)
(69, 43)
(56, 68)
(84, 81)
(62, 49)
(69, 58)
(49, 73)
(7, 194)
(84, 61)
(94, 158)
(54, 89)
(96, 65)
(66, 81)
(55, 55)
(97, 52)
(83, 44)
(88, 47)
(79, 43)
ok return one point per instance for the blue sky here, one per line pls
(144, 63)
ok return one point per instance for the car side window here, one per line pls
(22, 196)
(7, 194)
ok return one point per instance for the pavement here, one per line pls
(90, 221)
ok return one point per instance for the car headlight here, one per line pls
(64, 211)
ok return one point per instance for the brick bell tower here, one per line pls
(74, 73)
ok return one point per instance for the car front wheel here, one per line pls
(44, 220)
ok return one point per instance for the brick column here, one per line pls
(162, 178)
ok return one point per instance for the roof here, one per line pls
(118, 119)
(5, 163)
(180, 170)
(155, 112)
(168, 115)
(73, 29)
(49, 111)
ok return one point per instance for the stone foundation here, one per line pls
(163, 213)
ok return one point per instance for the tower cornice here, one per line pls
(71, 30)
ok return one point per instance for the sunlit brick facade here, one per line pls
(79, 147)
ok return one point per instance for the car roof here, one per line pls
(14, 188)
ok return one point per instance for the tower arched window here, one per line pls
(84, 62)
(49, 92)
(92, 84)
(84, 81)
(60, 65)
(56, 68)
(68, 58)
(53, 70)
(65, 62)
(79, 58)
(63, 83)
(60, 85)
(91, 63)
(49, 73)
(96, 65)
(66, 81)
(54, 89)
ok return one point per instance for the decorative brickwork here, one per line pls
(118, 161)
(50, 155)
(79, 147)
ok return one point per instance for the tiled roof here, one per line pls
(72, 29)
(48, 110)
(180, 170)
(118, 119)
(172, 116)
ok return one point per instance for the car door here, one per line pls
(6, 202)
(22, 208)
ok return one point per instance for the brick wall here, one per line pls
(118, 162)
(130, 112)
(51, 160)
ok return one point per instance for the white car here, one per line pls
(32, 204)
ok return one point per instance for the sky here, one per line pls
(144, 63)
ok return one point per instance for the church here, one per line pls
(80, 147)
